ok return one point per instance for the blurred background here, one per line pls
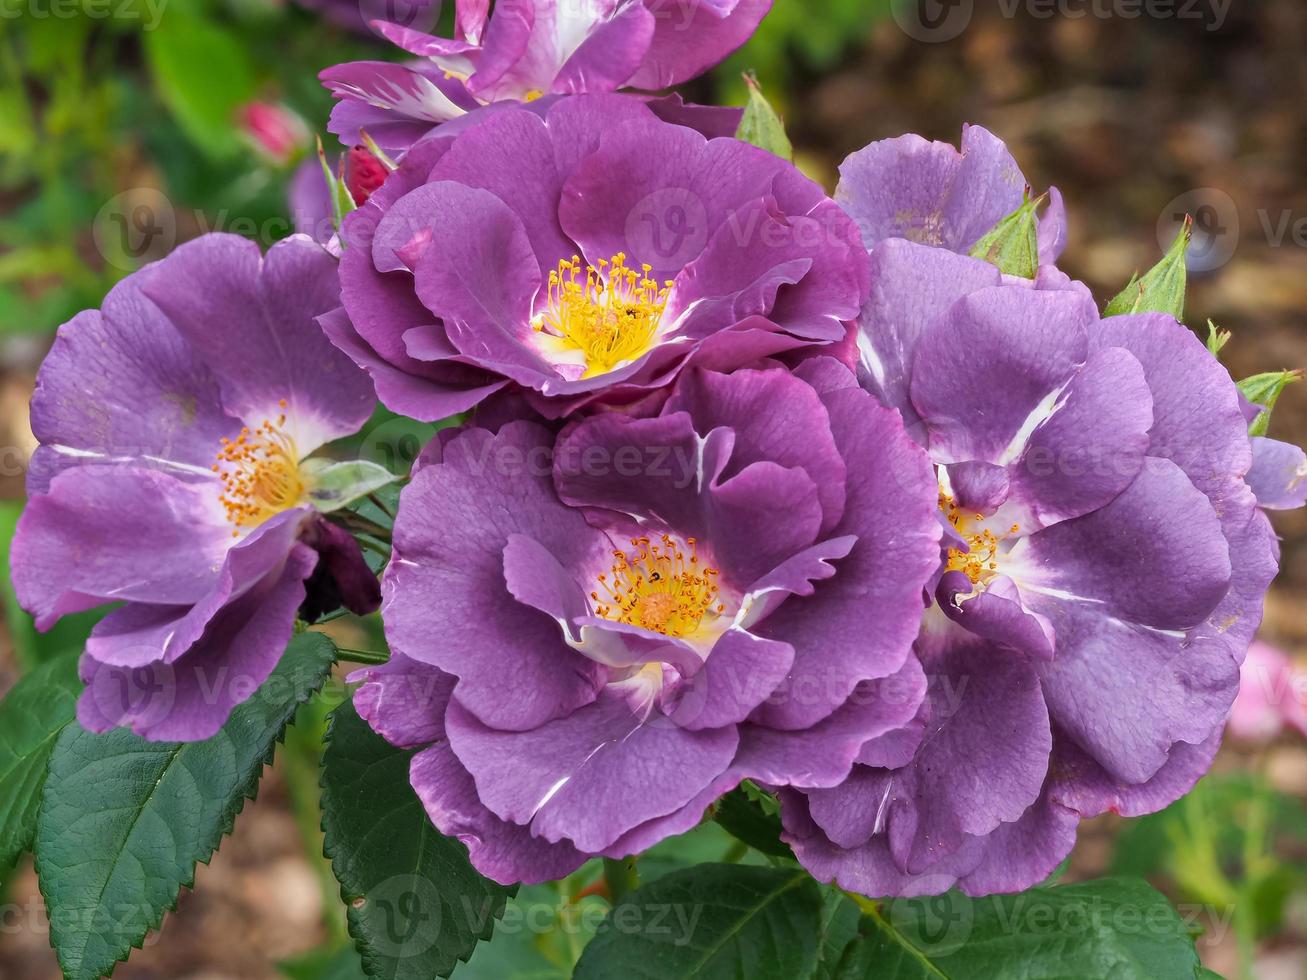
(127, 126)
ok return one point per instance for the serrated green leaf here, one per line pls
(203, 74)
(124, 821)
(747, 820)
(1162, 288)
(1113, 927)
(712, 922)
(761, 126)
(1265, 390)
(1012, 245)
(416, 905)
(40, 706)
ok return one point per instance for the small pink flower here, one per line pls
(274, 130)
(1272, 693)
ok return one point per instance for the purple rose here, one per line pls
(588, 254)
(527, 49)
(598, 633)
(171, 477)
(934, 194)
(1105, 567)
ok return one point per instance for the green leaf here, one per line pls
(840, 918)
(32, 715)
(203, 73)
(747, 820)
(338, 964)
(713, 921)
(1013, 244)
(332, 486)
(761, 126)
(1265, 390)
(1162, 288)
(1113, 927)
(123, 821)
(416, 905)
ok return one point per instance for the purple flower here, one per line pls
(527, 49)
(934, 194)
(171, 477)
(598, 633)
(589, 253)
(1104, 571)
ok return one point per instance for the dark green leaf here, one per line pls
(416, 905)
(123, 821)
(1114, 927)
(203, 73)
(1013, 244)
(840, 918)
(761, 126)
(1265, 390)
(747, 821)
(1162, 288)
(32, 715)
(712, 921)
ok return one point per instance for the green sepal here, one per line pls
(1264, 390)
(1217, 338)
(1162, 288)
(342, 201)
(333, 485)
(761, 126)
(1013, 244)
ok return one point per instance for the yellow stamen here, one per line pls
(981, 561)
(260, 475)
(532, 95)
(659, 587)
(610, 315)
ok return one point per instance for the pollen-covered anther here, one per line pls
(980, 561)
(660, 586)
(610, 314)
(260, 475)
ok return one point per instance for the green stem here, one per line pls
(357, 522)
(735, 853)
(381, 506)
(622, 877)
(371, 658)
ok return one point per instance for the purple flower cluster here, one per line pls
(757, 485)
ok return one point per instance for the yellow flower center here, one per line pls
(980, 563)
(260, 474)
(610, 315)
(662, 587)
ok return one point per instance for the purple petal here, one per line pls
(121, 385)
(931, 193)
(404, 701)
(1279, 475)
(502, 851)
(446, 600)
(991, 366)
(691, 38)
(253, 319)
(593, 775)
(106, 534)
(192, 698)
